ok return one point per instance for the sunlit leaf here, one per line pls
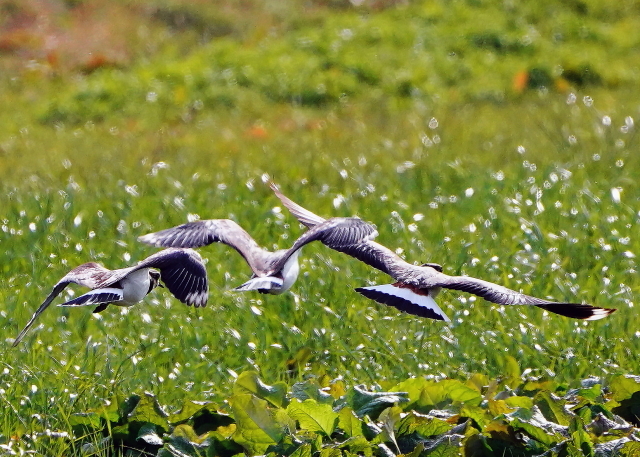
(149, 435)
(349, 422)
(622, 387)
(552, 408)
(250, 382)
(535, 425)
(187, 411)
(425, 425)
(580, 437)
(148, 410)
(309, 390)
(372, 403)
(313, 416)
(258, 425)
(519, 402)
(302, 451)
(357, 445)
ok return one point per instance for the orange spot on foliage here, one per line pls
(520, 81)
(257, 132)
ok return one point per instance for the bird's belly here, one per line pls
(135, 287)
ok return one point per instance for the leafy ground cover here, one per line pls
(419, 416)
(496, 139)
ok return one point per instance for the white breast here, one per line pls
(289, 272)
(135, 287)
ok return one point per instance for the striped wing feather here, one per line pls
(202, 233)
(183, 272)
(337, 231)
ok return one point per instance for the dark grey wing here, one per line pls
(183, 272)
(366, 251)
(334, 232)
(504, 296)
(303, 215)
(375, 255)
(88, 275)
(202, 233)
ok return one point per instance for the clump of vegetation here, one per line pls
(480, 417)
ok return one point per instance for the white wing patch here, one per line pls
(262, 283)
(405, 299)
(95, 297)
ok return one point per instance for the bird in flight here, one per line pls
(417, 286)
(273, 272)
(181, 270)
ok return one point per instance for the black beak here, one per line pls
(160, 285)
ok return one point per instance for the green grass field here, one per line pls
(416, 118)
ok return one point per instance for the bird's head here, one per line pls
(154, 280)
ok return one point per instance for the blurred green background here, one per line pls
(497, 138)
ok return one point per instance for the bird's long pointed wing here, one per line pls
(501, 295)
(45, 304)
(334, 233)
(367, 251)
(183, 272)
(88, 275)
(202, 233)
(305, 216)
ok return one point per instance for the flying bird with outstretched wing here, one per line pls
(273, 272)
(181, 270)
(417, 286)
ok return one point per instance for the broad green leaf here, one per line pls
(480, 415)
(622, 387)
(425, 425)
(630, 449)
(426, 394)
(302, 451)
(313, 416)
(519, 402)
(258, 425)
(580, 437)
(249, 383)
(477, 381)
(445, 446)
(497, 407)
(357, 445)
(590, 394)
(188, 410)
(179, 446)
(552, 408)
(330, 452)
(148, 410)
(512, 372)
(413, 387)
(372, 403)
(148, 434)
(85, 423)
(388, 419)
(187, 432)
(310, 390)
(535, 425)
(349, 422)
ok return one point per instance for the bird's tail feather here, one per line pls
(577, 311)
